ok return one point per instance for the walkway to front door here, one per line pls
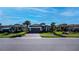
(32, 35)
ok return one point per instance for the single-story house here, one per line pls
(73, 27)
(11, 28)
(70, 27)
(5, 28)
(36, 28)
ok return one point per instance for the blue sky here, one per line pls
(17, 15)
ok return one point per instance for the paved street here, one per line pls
(25, 44)
(33, 42)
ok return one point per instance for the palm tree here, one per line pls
(53, 26)
(27, 23)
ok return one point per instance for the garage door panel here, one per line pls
(35, 30)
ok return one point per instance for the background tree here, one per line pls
(27, 23)
(53, 26)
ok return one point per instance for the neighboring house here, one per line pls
(37, 28)
(70, 27)
(5, 28)
(12, 28)
(73, 27)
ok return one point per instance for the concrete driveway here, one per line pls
(32, 36)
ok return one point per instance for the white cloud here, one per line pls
(1, 13)
(31, 8)
(39, 9)
(12, 17)
(70, 12)
(6, 16)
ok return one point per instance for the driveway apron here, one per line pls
(32, 35)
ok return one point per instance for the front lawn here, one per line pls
(48, 35)
(59, 32)
(69, 35)
(73, 35)
(11, 35)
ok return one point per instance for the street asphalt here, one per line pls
(37, 44)
(33, 42)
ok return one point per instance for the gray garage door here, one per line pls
(34, 30)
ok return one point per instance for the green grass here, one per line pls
(59, 33)
(48, 35)
(11, 35)
(70, 35)
(73, 35)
